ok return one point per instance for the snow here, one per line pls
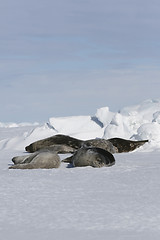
(119, 202)
(77, 126)
(15, 125)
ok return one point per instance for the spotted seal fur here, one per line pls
(92, 156)
(57, 140)
(93, 152)
(123, 145)
(70, 144)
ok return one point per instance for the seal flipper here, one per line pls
(68, 159)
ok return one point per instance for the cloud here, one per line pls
(37, 97)
(71, 57)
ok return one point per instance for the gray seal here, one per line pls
(93, 152)
(44, 159)
(91, 156)
(67, 144)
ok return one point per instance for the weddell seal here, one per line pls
(42, 159)
(91, 156)
(56, 140)
(70, 144)
(123, 145)
(93, 152)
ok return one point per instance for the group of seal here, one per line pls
(93, 152)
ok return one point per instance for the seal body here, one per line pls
(93, 152)
(65, 144)
(60, 148)
(100, 143)
(94, 157)
(24, 159)
(123, 145)
(37, 160)
(58, 139)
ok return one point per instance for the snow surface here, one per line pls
(119, 202)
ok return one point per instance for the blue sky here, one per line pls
(61, 58)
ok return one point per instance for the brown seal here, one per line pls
(66, 144)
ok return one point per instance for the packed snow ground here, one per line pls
(119, 202)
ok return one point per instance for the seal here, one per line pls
(93, 152)
(100, 143)
(92, 156)
(66, 144)
(44, 159)
(123, 145)
(24, 159)
(55, 140)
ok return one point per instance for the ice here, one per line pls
(139, 122)
(77, 126)
(118, 202)
(104, 115)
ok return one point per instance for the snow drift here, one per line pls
(121, 202)
(137, 122)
